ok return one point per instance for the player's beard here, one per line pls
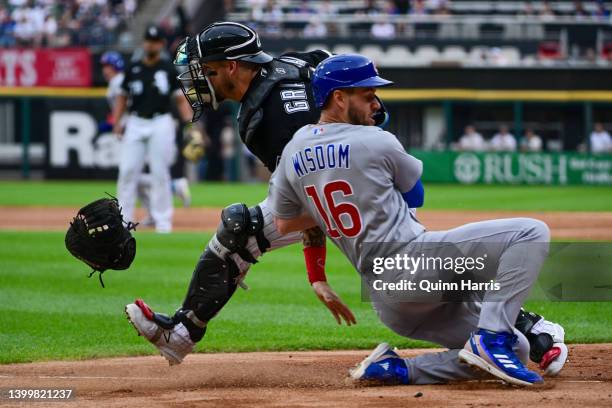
(152, 54)
(225, 87)
(356, 117)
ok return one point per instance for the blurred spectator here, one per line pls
(371, 8)
(402, 6)
(438, 7)
(601, 142)
(7, 29)
(328, 8)
(528, 10)
(418, 8)
(601, 12)
(63, 23)
(547, 13)
(531, 142)
(305, 8)
(315, 29)
(579, 10)
(503, 141)
(383, 29)
(471, 140)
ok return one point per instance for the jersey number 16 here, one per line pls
(336, 210)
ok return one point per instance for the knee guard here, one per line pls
(540, 343)
(238, 223)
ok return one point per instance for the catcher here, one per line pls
(225, 61)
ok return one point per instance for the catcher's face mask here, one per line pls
(195, 81)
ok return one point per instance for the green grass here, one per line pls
(437, 196)
(49, 309)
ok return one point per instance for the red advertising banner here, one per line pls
(45, 67)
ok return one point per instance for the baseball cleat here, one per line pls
(180, 188)
(492, 352)
(173, 342)
(382, 365)
(546, 340)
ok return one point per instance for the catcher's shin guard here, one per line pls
(216, 275)
(213, 283)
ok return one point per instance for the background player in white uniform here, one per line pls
(112, 70)
(357, 183)
(148, 87)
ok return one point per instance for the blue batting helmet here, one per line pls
(114, 59)
(344, 71)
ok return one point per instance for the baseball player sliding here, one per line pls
(357, 183)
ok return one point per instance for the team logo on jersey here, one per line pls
(280, 71)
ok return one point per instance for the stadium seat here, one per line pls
(344, 49)
(424, 55)
(512, 55)
(398, 56)
(375, 53)
(454, 53)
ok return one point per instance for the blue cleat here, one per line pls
(492, 352)
(382, 365)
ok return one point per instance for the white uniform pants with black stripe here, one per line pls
(152, 139)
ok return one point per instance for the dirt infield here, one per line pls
(564, 225)
(296, 379)
(301, 379)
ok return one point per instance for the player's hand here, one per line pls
(194, 143)
(333, 302)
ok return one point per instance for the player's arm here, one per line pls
(289, 216)
(183, 108)
(118, 111)
(298, 223)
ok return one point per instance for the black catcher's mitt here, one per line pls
(100, 237)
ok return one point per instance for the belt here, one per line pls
(151, 115)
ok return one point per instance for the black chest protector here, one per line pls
(251, 112)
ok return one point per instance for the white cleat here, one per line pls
(181, 190)
(173, 344)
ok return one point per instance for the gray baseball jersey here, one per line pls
(350, 179)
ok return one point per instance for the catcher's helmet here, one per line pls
(114, 59)
(221, 41)
(344, 71)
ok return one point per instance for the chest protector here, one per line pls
(274, 72)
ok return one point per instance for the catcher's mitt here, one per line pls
(193, 143)
(100, 237)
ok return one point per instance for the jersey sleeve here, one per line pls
(404, 169)
(282, 199)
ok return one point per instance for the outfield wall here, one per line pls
(515, 168)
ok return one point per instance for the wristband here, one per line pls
(315, 263)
